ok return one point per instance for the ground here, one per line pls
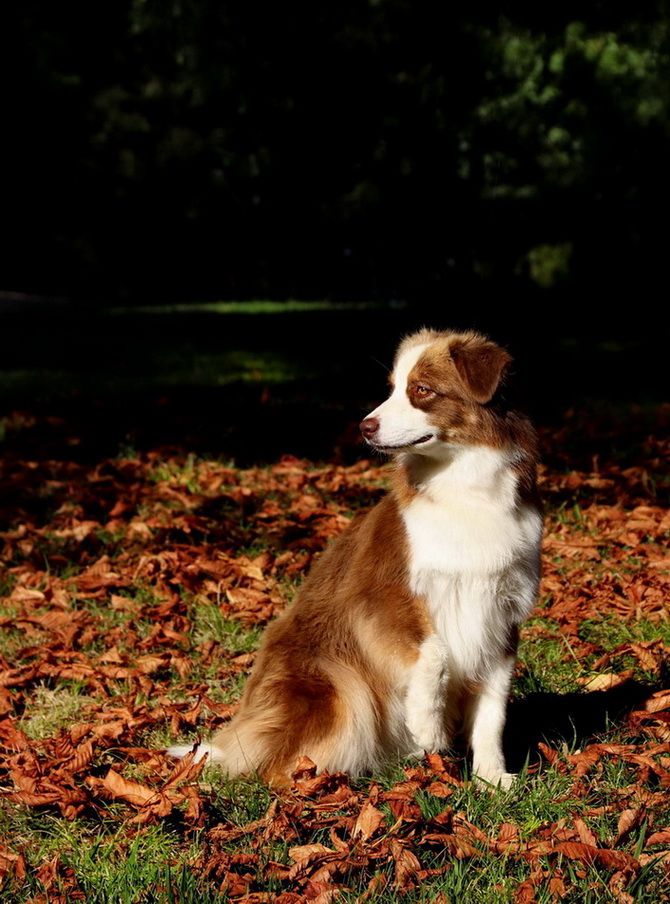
(134, 589)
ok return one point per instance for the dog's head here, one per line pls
(440, 387)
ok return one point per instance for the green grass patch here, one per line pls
(188, 627)
(181, 366)
(111, 865)
(547, 662)
(209, 623)
(52, 709)
(256, 306)
(609, 633)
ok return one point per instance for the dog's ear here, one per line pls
(480, 365)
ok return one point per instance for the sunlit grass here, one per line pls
(52, 709)
(113, 860)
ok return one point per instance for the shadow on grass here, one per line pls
(255, 386)
(576, 718)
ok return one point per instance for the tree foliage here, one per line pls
(379, 148)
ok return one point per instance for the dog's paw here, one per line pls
(491, 781)
(426, 731)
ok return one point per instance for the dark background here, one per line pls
(455, 165)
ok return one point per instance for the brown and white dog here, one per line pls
(405, 630)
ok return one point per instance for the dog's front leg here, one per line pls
(485, 721)
(425, 697)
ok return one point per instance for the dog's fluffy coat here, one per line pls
(405, 630)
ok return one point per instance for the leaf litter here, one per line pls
(106, 568)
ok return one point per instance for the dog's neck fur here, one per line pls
(465, 467)
(497, 459)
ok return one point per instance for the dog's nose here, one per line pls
(369, 427)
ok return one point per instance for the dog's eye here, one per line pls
(421, 391)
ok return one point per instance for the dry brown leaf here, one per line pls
(660, 837)
(602, 856)
(11, 864)
(10, 736)
(586, 836)
(368, 821)
(34, 799)
(308, 855)
(657, 702)
(508, 832)
(120, 788)
(556, 888)
(617, 885)
(654, 857)
(549, 753)
(303, 852)
(304, 769)
(406, 865)
(47, 873)
(628, 820)
(525, 893)
(584, 760)
(436, 763)
(644, 654)
(603, 682)
(440, 789)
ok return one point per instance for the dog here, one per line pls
(405, 630)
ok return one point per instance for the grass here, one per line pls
(54, 709)
(545, 667)
(610, 633)
(112, 866)
(114, 859)
(209, 623)
(265, 349)
(115, 864)
(258, 306)
(181, 367)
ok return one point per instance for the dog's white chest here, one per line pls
(474, 560)
(463, 535)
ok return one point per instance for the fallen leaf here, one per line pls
(120, 788)
(11, 864)
(586, 836)
(602, 856)
(628, 820)
(440, 789)
(661, 837)
(368, 821)
(525, 893)
(556, 887)
(603, 682)
(406, 865)
(657, 702)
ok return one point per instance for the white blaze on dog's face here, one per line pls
(400, 424)
(441, 385)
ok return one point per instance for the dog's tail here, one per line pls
(237, 748)
(330, 717)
